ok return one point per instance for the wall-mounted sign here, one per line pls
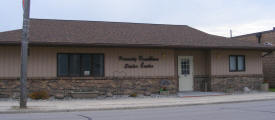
(142, 65)
(130, 66)
(127, 59)
(139, 58)
(151, 58)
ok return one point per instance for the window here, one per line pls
(185, 67)
(236, 63)
(80, 65)
(63, 65)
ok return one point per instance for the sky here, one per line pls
(212, 16)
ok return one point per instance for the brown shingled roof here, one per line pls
(89, 33)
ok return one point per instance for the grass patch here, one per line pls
(272, 89)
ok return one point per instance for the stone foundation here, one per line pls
(235, 83)
(102, 86)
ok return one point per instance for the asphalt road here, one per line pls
(262, 110)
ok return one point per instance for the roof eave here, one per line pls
(140, 46)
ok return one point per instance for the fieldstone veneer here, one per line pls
(233, 83)
(102, 86)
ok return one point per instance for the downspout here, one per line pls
(268, 53)
(259, 36)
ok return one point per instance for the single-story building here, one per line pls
(267, 38)
(123, 58)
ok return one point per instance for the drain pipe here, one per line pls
(259, 36)
(268, 53)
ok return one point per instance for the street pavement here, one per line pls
(260, 110)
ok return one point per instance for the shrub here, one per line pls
(38, 95)
(133, 95)
(163, 89)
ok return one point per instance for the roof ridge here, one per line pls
(108, 22)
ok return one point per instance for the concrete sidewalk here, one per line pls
(11, 106)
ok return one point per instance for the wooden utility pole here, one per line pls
(231, 33)
(24, 54)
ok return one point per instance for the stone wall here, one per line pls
(228, 83)
(102, 86)
(269, 69)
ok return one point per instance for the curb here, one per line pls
(125, 108)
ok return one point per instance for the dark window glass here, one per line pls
(75, 65)
(241, 63)
(86, 65)
(80, 65)
(185, 67)
(233, 63)
(98, 65)
(63, 64)
(236, 63)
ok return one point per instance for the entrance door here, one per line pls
(185, 72)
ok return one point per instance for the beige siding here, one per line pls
(220, 62)
(9, 61)
(43, 62)
(200, 60)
